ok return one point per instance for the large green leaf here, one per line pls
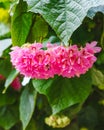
(7, 98)
(64, 92)
(8, 116)
(27, 104)
(64, 16)
(21, 23)
(39, 30)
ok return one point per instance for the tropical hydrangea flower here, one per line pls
(35, 62)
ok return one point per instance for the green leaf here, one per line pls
(21, 23)
(91, 13)
(63, 92)
(8, 117)
(98, 78)
(64, 16)
(6, 99)
(5, 66)
(32, 125)
(82, 35)
(73, 110)
(88, 117)
(39, 30)
(35, 124)
(10, 79)
(27, 104)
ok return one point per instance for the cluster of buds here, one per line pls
(35, 61)
(57, 121)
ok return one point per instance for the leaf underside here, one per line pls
(64, 16)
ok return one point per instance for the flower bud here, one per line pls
(57, 121)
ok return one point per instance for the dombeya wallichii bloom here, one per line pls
(33, 61)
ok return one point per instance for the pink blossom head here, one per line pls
(35, 62)
(91, 47)
(32, 61)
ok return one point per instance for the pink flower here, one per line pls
(35, 62)
(16, 84)
(32, 61)
(2, 77)
(91, 47)
(59, 53)
(72, 54)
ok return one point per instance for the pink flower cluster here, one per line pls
(35, 62)
(16, 84)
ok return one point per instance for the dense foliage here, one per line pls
(59, 100)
